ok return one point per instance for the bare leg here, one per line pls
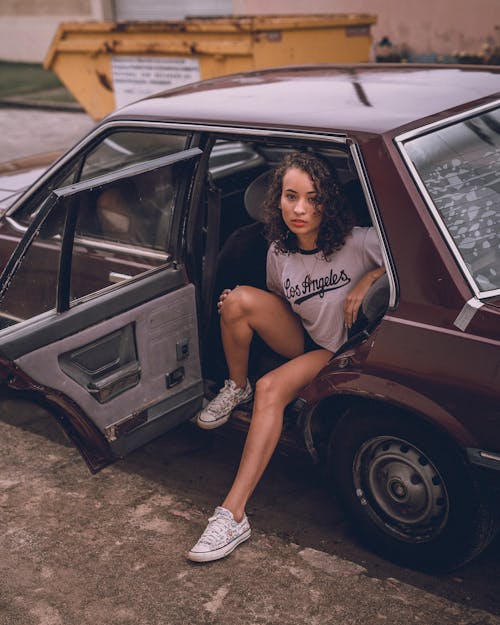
(247, 310)
(274, 391)
(244, 311)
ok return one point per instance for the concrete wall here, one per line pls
(28, 26)
(429, 29)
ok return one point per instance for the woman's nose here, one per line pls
(300, 207)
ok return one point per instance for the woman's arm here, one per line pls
(355, 297)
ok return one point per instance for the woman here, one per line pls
(319, 267)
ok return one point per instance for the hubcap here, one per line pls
(400, 488)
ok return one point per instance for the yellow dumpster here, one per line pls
(106, 65)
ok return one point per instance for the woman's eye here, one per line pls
(290, 196)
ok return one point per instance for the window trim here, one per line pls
(129, 170)
(400, 141)
(123, 248)
(374, 214)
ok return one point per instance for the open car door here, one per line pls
(98, 320)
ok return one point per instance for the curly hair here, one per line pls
(337, 220)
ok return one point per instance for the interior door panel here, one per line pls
(165, 369)
(106, 367)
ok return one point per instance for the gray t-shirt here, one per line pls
(316, 287)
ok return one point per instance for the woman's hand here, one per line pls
(222, 297)
(354, 299)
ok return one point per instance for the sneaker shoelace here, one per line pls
(216, 529)
(223, 399)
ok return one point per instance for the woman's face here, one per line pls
(299, 207)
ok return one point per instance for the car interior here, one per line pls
(241, 171)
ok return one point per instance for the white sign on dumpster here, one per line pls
(136, 77)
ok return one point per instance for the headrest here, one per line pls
(255, 194)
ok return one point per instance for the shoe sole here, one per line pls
(211, 425)
(222, 552)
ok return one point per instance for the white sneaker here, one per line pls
(221, 536)
(218, 411)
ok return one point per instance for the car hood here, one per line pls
(12, 184)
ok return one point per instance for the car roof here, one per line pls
(372, 98)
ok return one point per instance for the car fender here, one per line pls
(339, 382)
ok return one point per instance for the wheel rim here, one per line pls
(400, 489)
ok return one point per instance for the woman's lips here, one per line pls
(298, 223)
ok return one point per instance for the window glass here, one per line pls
(124, 148)
(460, 168)
(117, 150)
(124, 226)
(133, 211)
(120, 222)
(33, 289)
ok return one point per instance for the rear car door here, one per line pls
(98, 319)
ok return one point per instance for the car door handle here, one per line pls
(115, 277)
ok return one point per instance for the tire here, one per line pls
(409, 493)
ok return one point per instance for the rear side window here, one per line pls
(459, 165)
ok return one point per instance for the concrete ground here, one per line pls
(110, 549)
(77, 549)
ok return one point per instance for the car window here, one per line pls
(123, 148)
(132, 211)
(113, 228)
(112, 152)
(123, 221)
(33, 289)
(460, 168)
(123, 227)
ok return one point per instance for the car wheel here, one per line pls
(409, 492)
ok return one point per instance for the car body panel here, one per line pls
(367, 99)
(428, 376)
(13, 184)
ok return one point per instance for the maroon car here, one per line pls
(114, 258)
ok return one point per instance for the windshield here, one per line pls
(459, 167)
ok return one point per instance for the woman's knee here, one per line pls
(271, 389)
(240, 302)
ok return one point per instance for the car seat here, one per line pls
(242, 260)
